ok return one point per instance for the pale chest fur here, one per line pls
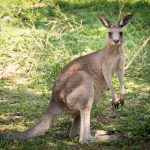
(118, 62)
(115, 63)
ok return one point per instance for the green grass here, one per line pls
(38, 42)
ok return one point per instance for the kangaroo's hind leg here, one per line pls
(81, 99)
(75, 129)
(85, 134)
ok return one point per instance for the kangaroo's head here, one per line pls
(115, 31)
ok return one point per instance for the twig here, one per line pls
(138, 51)
(121, 5)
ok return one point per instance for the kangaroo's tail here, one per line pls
(44, 123)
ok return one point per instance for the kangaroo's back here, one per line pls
(90, 63)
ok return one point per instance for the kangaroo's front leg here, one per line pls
(120, 74)
(108, 78)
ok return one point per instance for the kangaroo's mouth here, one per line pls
(116, 44)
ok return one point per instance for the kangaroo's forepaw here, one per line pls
(115, 103)
(121, 101)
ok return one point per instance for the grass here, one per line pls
(37, 40)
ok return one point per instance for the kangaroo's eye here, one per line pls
(110, 34)
(121, 33)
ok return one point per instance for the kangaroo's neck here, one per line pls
(114, 49)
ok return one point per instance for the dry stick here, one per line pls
(121, 5)
(138, 51)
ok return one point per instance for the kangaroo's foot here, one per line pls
(106, 138)
(101, 138)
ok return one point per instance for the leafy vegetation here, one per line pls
(38, 38)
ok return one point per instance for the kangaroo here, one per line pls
(81, 83)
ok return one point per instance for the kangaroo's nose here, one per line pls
(116, 41)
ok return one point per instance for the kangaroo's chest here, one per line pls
(115, 63)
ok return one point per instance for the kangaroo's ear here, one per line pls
(124, 21)
(104, 21)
